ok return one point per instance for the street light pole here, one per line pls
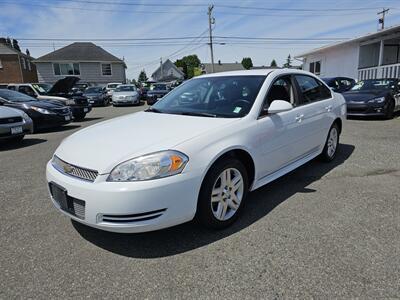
(211, 21)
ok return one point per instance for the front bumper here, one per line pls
(125, 102)
(78, 110)
(6, 133)
(129, 207)
(43, 121)
(366, 109)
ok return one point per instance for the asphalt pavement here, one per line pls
(322, 231)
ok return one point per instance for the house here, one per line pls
(371, 56)
(221, 67)
(167, 71)
(15, 66)
(85, 60)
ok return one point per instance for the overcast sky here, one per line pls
(79, 20)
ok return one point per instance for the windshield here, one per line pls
(42, 88)
(158, 87)
(14, 96)
(225, 96)
(125, 88)
(374, 84)
(112, 86)
(93, 90)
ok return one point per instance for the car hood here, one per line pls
(103, 146)
(64, 85)
(8, 112)
(363, 96)
(44, 104)
(92, 94)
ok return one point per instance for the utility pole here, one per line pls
(161, 68)
(211, 21)
(382, 20)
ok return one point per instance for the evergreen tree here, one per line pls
(142, 76)
(273, 63)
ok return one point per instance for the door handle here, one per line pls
(328, 108)
(299, 118)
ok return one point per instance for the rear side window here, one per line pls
(311, 89)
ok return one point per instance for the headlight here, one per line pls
(41, 110)
(151, 166)
(377, 100)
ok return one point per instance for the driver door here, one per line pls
(279, 137)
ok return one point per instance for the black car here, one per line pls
(374, 97)
(64, 88)
(157, 91)
(339, 84)
(97, 96)
(45, 114)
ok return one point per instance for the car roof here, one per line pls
(258, 72)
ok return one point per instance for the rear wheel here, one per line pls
(222, 194)
(331, 144)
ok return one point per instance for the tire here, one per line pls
(331, 144)
(390, 110)
(221, 209)
(80, 116)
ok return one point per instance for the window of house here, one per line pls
(369, 55)
(23, 63)
(315, 67)
(66, 69)
(29, 65)
(1, 65)
(312, 89)
(106, 69)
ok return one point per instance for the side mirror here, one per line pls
(278, 106)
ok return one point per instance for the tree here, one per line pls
(15, 45)
(142, 76)
(188, 64)
(273, 63)
(247, 63)
(288, 63)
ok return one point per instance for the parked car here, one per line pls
(110, 87)
(64, 88)
(199, 160)
(340, 84)
(14, 124)
(45, 114)
(374, 97)
(97, 96)
(157, 91)
(125, 94)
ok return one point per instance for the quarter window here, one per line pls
(312, 90)
(66, 69)
(106, 69)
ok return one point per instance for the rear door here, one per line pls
(315, 108)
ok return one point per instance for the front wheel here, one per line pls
(331, 144)
(390, 110)
(222, 194)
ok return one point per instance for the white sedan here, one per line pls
(125, 94)
(201, 149)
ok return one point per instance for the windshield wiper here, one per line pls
(154, 110)
(198, 114)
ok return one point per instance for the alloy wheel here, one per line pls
(227, 194)
(332, 142)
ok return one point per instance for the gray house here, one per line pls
(167, 71)
(85, 60)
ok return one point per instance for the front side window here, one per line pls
(106, 69)
(312, 90)
(220, 96)
(27, 90)
(66, 69)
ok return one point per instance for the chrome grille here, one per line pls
(72, 170)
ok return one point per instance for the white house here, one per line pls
(374, 55)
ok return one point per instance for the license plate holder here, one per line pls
(67, 118)
(86, 109)
(16, 130)
(59, 195)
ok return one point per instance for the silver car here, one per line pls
(125, 94)
(14, 124)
